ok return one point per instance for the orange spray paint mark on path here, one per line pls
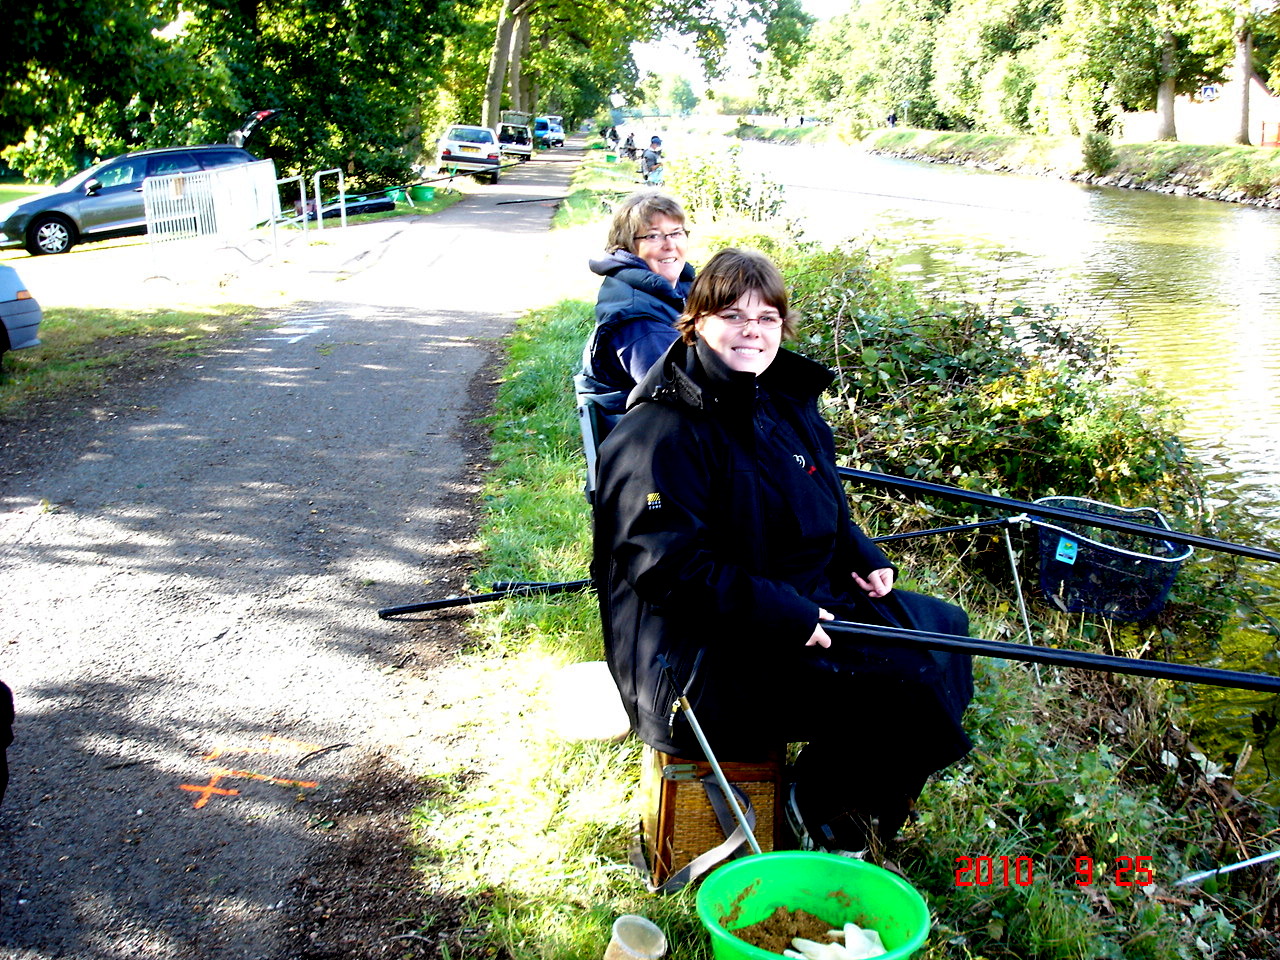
(208, 790)
(275, 746)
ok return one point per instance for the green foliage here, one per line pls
(1020, 404)
(715, 187)
(1062, 67)
(1097, 152)
(116, 76)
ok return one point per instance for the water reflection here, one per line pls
(1189, 289)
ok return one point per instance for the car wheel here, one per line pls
(50, 235)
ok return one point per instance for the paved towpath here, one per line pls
(191, 574)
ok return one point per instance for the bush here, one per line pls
(1098, 154)
(1014, 404)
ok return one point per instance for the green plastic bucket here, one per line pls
(396, 194)
(421, 193)
(837, 889)
(611, 158)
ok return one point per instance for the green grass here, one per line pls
(445, 197)
(597, 185)
(83, 349)
(17, 191)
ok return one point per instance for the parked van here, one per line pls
(542, 132)
(515, 134)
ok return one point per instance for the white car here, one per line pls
(469, 149)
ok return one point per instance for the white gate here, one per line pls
(228, 203)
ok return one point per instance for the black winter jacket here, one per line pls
(721, 526)
(636, 312)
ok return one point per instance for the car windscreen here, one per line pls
(465, 135)
(76, 182)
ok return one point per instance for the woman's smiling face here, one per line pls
(745, 335)
(666, 252)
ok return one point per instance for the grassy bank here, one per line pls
(82, 350)
(1218, 172)
(532, 830)
(1213, 171)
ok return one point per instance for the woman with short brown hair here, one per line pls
(723, 541)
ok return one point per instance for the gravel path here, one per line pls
(192, 570)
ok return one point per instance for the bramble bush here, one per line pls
(1014, 404)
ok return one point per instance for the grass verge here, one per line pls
(1221, 172)
(84, 349)
(17, 191)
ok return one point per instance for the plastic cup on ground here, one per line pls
(635, 938)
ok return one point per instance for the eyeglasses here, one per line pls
(659, 237)
(767, 321)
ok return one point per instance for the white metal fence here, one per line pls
(228, 203)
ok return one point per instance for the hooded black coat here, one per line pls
(721, 527)
(636, 312)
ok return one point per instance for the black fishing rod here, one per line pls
(1040, 511)
(501, 592)
(1066, 514)
(1029, 653)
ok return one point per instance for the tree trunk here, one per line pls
(497, 77)
(515, 70)
(1165, 129)
(1242, 71)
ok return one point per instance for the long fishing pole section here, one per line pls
(1046, 511)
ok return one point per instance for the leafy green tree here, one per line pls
(680, 95)
(980, 78)
(106, 75)
(868, 62)
(80, 79)
(592, 30)
(1145, 52)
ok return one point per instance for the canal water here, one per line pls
(1188, 289)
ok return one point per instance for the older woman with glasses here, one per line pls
(723, 541)
(646, 279)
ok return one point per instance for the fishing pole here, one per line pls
(501, 592)
(1045, 511)
(1191, 878)
(1030, 653)
(1066, 514)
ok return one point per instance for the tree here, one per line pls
(681, 96)
(83, 79)
(106, 75)
(1145, 52)
(981, 77)
(582, 31)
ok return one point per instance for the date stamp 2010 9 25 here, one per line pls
(1003, 871)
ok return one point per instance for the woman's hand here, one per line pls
(878, 582)
(820, 638)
